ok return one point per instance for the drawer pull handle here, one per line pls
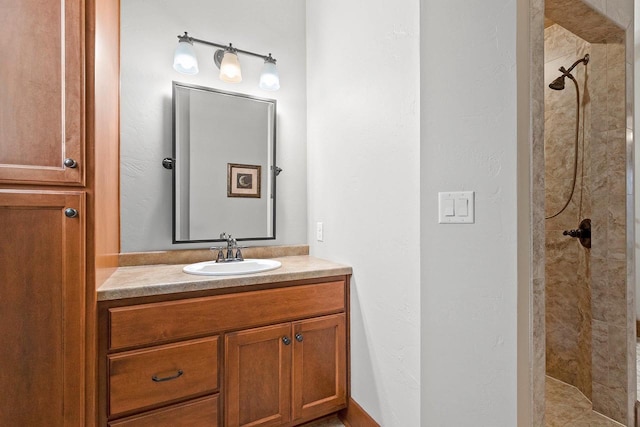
(159, 380)
(286, 340)
(299, 337)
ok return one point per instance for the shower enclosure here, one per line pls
(585, 152)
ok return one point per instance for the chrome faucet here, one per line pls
(232, 245)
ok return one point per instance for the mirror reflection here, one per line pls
(223, 168)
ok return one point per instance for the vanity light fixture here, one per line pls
(269, 79)
(184, 59)
(230, 66)
(226, 59)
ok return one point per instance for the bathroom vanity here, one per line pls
(267, 349)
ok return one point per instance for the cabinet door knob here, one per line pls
(286, 340)
(70, 163)
(70, 213)
(173, 377)
(299, 337)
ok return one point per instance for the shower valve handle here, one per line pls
(580, 233)
(573, 233)
(583, 233)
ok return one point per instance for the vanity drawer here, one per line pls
(197, 413)
(143, 378)
(157, 322)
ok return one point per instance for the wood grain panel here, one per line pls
(42, 309)
(195, 413)
(42, 95)
(157, 322)
(103, 136)
(319, 366)
(102, 170)
(131, 383)
(258, 377)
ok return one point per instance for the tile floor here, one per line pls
(567, 407)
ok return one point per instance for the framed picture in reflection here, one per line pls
(243, 180)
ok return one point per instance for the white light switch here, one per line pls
(462, 207)
(448, 207)
(456, 207)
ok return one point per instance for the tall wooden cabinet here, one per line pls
(42, 95)
(58, 205)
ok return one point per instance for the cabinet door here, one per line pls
(319, 366)
(258, 376)
(42, 309)
(41, 96)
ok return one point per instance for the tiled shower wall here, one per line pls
(586, 290)
(609, 253)
(567, 267)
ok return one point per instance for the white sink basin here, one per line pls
(248, 266)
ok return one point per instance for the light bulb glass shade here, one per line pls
(269, 79)
(230, 68)
(184, 59)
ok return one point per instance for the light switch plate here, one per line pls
(463, 203)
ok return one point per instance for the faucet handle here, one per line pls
(220, 255)
(239, 256)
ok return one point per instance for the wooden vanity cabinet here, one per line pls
(274, 356)
(287, 373)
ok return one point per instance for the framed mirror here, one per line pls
(224, 146)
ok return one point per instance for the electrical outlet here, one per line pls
(319, 232)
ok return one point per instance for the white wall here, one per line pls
(364, 172)
(468, 272)
(148, 39)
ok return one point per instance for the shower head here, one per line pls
(558, 84)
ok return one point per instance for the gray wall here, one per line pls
(148, 39)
